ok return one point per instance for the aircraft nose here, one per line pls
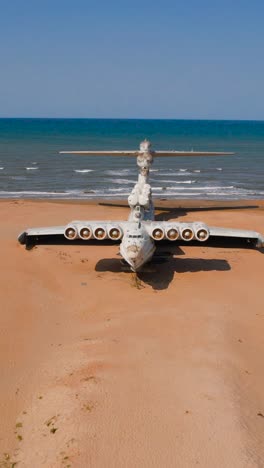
(133, 251)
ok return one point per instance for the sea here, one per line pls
(31, 166)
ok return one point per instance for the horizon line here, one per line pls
(133, 118)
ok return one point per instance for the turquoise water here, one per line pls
(30, 165)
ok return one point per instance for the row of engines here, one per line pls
(185, 232)
(84, 232)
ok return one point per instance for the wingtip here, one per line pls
(260, 242)
(22, 238)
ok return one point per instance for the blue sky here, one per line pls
(136, 59)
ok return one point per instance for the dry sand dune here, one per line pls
(98, 370)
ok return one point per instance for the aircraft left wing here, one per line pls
(76, 230)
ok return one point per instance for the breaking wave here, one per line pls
(178, 181)
(122, 181)
(82, 171)
(119, 172)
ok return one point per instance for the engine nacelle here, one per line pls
(100, 233)
(157, 233)
(201, 232)
(115, 233)
(187, 233)
(85, 232)
(71, 232)
(172, 233)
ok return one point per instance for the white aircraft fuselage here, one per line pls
(137, 247)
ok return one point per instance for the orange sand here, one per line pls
(98, 370)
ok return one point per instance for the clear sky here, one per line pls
(133, 59)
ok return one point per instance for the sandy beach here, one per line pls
(99, 369)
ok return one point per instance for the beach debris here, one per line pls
(136, 282)
(91, 378)
(6, 461)
(53, 430)
(88, 407)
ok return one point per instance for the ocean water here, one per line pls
(31, 166)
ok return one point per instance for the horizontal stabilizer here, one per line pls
(102, 153)
(191, 153)
(153, 153)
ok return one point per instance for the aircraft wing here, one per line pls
(75, 230)
(198, 231)
(114, 230)
(237, 233)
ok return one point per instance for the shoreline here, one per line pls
(161, 201)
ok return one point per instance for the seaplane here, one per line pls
(139, 235)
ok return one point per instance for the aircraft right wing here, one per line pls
(178, 231)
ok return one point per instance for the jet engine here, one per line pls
(158, 234)
(115, 233)
(100, 233)
(71, 232)
(85, 233)
(201, 233)
(172, 234)
(187, 233)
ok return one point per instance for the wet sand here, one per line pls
(100, 369)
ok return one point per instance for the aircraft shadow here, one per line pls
(172, 213)
(160, 276)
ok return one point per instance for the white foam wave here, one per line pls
(182, 194)
(122, 181)
(1, 168)
(195, 189)
(206, 188)
(31, 168)
(119, 172)
(117, 189)
(197, 170)
(219, 169)
(83, 171)
(178, 181)
(175, 173)
(31, 193)
(182, 170)
(18, 178)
